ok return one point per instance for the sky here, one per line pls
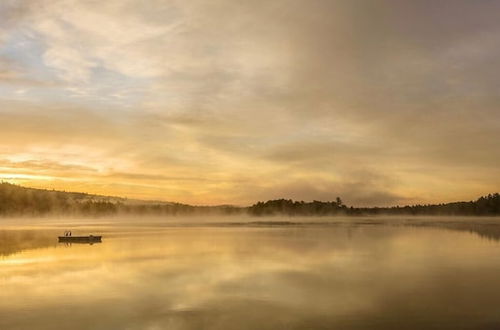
(380, 102)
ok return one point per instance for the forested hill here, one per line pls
(486, 205)
(20, 201)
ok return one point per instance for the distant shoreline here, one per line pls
(32, 202)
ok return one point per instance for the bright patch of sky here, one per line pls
(230, 101)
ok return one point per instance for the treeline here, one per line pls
(484, 206)
(291, 208)
(20, 201)
(16, 200)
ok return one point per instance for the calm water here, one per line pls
(342, 275)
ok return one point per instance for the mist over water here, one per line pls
(234, 273)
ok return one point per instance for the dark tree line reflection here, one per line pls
(13, 241)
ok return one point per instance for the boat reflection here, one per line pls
(78, 243)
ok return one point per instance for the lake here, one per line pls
(322, 273)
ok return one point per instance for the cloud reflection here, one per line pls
(347, 276)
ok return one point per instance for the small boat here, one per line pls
(80, 239)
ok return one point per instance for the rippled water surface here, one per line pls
(288, 275)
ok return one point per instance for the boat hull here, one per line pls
(80, 239)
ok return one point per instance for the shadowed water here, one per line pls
(352, 274)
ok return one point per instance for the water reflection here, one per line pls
(256, 277)
(14, 241)
(69, 244)
(487, 230)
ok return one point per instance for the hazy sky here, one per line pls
(226, 101)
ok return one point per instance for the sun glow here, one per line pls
(229, 103)
(16, 176)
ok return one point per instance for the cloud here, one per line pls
(265, 98)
